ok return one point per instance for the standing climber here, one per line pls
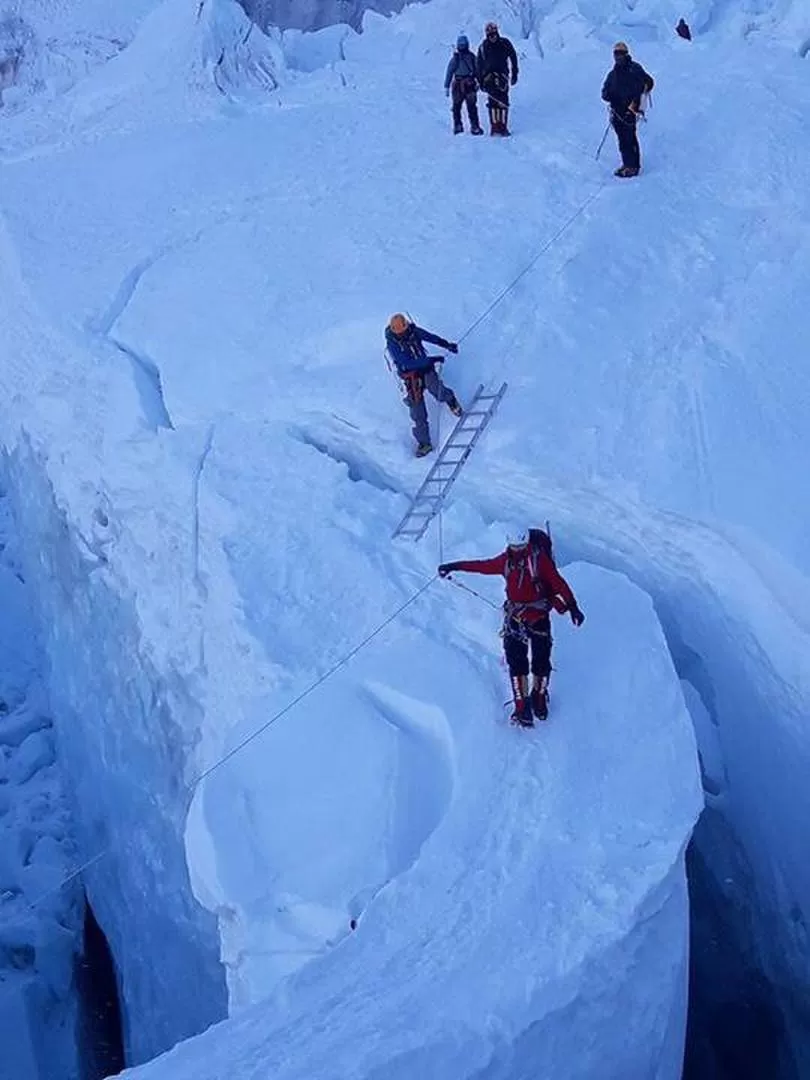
(682, 30)
(461, 81)
(623, 88)
(534, 586)
(405, 346)
(497, 70)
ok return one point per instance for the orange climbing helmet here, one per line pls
(398, 324)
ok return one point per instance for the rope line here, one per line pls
(67, 880)
(472, 592)
(314, 685)
(345, 659)
(439, 410)
(252, 736)
(535, 259)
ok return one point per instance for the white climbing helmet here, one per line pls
(517, 538)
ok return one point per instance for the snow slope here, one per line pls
(535, 884)
(218, 275)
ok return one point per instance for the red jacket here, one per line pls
(531, 578)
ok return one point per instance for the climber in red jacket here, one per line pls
(534, 586)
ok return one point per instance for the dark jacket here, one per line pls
(407, 350)
(682, 30)
(462, 65)
(625, 84)
(495, 58)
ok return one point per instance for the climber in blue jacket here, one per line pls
(404, 342)
(461, 80)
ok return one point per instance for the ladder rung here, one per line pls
(445, 469)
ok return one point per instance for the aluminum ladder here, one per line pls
(429, 499)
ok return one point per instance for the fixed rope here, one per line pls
(533, 262)
(491, 307)
(253, 735)
(472, 592)
(439, 409)
(314, 685)
(399, 611)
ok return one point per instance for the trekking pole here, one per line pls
(602, 143)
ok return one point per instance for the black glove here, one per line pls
(577, 618)
(451, 346)
(447, 568)
(514, 80)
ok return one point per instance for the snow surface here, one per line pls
(201, 245)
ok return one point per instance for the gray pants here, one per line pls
(416, 382)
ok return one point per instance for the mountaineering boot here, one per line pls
(625, 172)
(522, 713)
(505, 123)
(477, 130)
(423, 448)
(458, 129)
(539, 697)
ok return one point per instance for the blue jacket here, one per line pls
(407, 350)
(462, 65)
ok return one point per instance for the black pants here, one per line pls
(520, 638)
(496, 85)
(625, 127)
(465, 93)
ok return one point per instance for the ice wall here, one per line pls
(124, 699)
(124, 736)
(558, 23)
(315, 14)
